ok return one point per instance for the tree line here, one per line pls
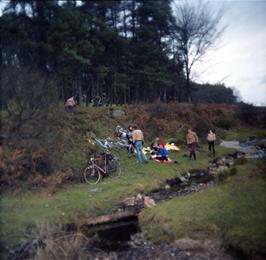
(127, 51)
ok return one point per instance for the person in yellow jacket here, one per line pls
(138, 140)
(192, 140)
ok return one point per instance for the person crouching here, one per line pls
(161, 154)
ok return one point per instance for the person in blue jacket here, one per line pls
(161, 154)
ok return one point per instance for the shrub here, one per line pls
(247, 113)
(222, 175)
(233, 171)
(220, 135)
(27, 98)
(262, 168)
(224, 123)
(158, 109)
(241, 161)
(20, 164)
(201, 128)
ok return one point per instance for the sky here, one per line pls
(240, 61)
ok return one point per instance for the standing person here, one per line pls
(130, 148)
(70, 104)
(211, 137)
(192, 140)
(138, 140)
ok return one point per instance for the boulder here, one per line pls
(183, 179)
(222, 168)
(167, 187)
(139, 197)
(118, 113)
(149, 202)
(130, 201)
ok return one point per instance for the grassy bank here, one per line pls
(80, 200)
(233, 213)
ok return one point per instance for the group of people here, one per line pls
(135, 140)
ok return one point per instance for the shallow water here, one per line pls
(253, 149)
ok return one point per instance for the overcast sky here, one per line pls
(240, 62)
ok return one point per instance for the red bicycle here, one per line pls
(100, 166)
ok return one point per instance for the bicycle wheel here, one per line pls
(92, 175)
(114, 168)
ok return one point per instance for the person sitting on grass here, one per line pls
(161, 154)
(156, 145)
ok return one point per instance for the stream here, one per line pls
(253, 148)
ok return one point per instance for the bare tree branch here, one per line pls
(196, 31)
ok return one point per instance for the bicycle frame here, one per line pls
(104, 170)
(107, 144)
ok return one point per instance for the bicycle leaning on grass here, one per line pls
(102, 165)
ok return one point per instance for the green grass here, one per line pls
(233, 213)
(79, 200)
(244, 133)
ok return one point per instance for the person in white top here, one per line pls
(211, 137)
(70, 104)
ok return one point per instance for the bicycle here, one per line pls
(120, 145)
(108, 144)
(95, 172)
